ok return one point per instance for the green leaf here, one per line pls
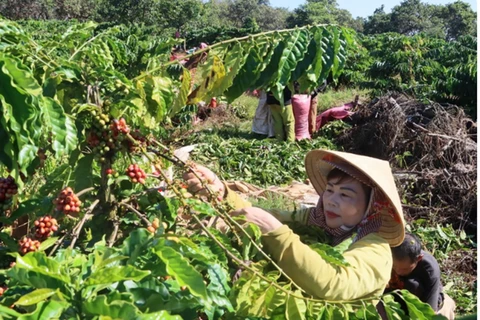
(19, 99)
(6, 155)
(164, 315)
(158, 95)
(211, 80)
(270, 72)
(10, 242)
(269, 300)
(39, 271)
(84, 173)
(184, 273)
(47, 243)
(329, 254)
(148, 294)
(116, 309)
(111, 261)
(35, 297)
(340, 52)
(6, 312)
(315, 310)
(295, 308)
(250, 71)
(46, 310)
(64, 132)
(234, 60)
(306, 62)
(182, 95)
(295, 48)
(416, 308)
(29, 206)
(55, 180)
(245, 299)
(201, 207)
(136, 244)
(114, 274)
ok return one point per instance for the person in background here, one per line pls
(262, 121)
(312, 116)
(283, 119)
(418, 271)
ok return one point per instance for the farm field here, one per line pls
(97, 223)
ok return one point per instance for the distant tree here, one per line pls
(27, 9)
(241, 11)
(128, 11)
(408, 18)
(412, 17)
(377, 23)
(176, 14)
(321, 12)
(459, 20)
(358, 23)
(75, 9)
(272, 18)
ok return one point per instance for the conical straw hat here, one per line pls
(318, 163)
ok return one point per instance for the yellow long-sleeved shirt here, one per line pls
(370, 260)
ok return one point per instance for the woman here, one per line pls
(282, 116)
(358, 199)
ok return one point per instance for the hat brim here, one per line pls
(318, 163)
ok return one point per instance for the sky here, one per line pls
(366, 8)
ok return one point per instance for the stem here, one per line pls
(79, 226)
(113, 236)
(57, 244)
(158, 153)
(214, 46)
(138, 213)
(80, 193)
(84, 44)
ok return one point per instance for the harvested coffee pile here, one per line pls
(432, 149)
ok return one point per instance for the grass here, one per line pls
(244, 106)
(273, 200)
(333, 98)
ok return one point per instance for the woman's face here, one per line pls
(344, 203)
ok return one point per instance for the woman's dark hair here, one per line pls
(411, 248)
(341, 176)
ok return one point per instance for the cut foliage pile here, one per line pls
(432, 149)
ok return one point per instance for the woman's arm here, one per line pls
(298, 215)
(370, 259)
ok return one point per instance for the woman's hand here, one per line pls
(195, 185)
(264, 220)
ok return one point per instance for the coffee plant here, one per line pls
(114, 239)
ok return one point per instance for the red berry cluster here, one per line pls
(68, 202)
(8, 188)
(45, 226)
(3, 289)
(119, 126)
(28, 245)
(136, 174)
